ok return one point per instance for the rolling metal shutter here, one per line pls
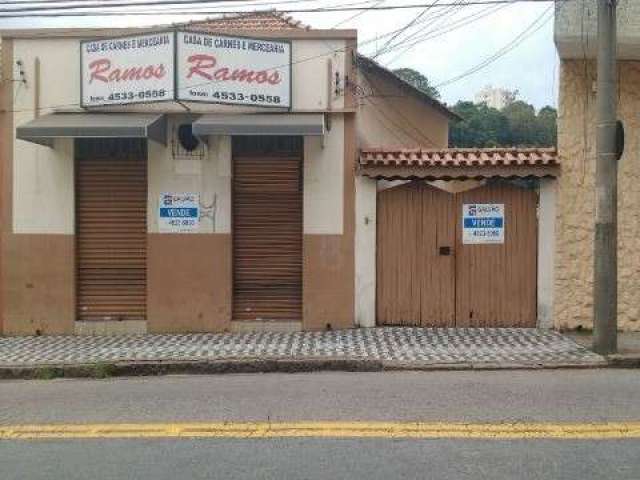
(111, 229)
(267, 228)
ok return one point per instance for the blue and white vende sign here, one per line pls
(482, 223)
(179, 212)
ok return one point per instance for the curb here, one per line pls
(624, 360)
(255, 365)
(157, 368)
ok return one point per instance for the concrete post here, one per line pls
(605, 247)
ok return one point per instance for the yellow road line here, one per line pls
(615, 430)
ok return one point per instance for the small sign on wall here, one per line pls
(179, 212)
(482, 223)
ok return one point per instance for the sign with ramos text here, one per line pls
(482, 223)
(127, 70)
(179, 212)
(233, 70)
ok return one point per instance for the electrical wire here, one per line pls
(532, 28)
(357, 15)
(462, 22)
(72, 11)
(404, 29)
(214, 81)
(431, 21)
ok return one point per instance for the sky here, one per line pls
(443, 43)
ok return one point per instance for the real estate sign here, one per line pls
(233, 70)
(179, 212)
(482, 223)
(125, 70)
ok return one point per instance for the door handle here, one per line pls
(445, 251)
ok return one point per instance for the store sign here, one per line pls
(179, 212)
(233, 70)
(482, 223)
(126, 70)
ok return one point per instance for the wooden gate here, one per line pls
(415, 283)
(426, 276)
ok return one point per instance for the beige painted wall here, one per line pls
(389, 117)
(324, 180)
(575, 209)
(365, 253)
(43, 177)
(210, 177)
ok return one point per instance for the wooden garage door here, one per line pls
(415, 263)
(496, 285)
(267, 228)
(426, 276)
(111, 229)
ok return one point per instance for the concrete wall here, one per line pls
(37, 252)
(575, 208)
(366, 225)
(389, 117)
(547, 207)
(576, 29)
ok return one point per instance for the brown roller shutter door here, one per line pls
(111, 229)
(267, 228)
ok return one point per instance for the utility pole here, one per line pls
(605, 334)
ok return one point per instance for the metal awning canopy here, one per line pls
(260, 124)
(43, 130)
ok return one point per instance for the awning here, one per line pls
(45, 129)
(458, 163)
(260, 124)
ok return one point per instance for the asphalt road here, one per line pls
(500, 397)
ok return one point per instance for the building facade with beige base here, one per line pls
(250, 173)
(224, 202)
(576, 41)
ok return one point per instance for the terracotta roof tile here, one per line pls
(263, 21)
(451, 163)
(459, 157)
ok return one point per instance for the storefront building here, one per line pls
(184, 180)
(249, 173)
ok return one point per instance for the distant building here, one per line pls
(495, 97)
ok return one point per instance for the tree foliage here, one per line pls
(517, 124)
(418, 80)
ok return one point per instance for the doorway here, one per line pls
(427, 275)
(267, 228)
(111, 229)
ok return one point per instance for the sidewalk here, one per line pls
(628, 347)
(371, 349)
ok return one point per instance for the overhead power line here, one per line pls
(100, 11)
(536, 25)
(513, 44)
(431, 21)
(405, 28)
(413, 41)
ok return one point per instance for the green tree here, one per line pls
(481, 126)
(418, 80)
(547, 126)
(516, 125)
(523, 124)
